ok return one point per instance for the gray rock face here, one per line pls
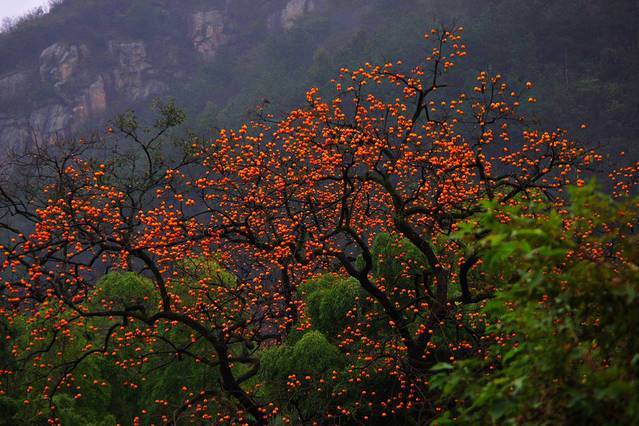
(13, 85)
(64, 66)
(207, 32)
(134, 76)
(80, 93)
(61, 66)
(294, 10)
(130, 55)
(97, 96)
(43, 125)
(49, 121)
(13, 133)
(92, 102)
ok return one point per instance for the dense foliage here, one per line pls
(400, 250)
(563, 350)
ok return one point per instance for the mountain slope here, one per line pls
(69, 70)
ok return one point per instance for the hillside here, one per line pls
(68, 71)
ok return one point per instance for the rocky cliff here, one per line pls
(73, 84)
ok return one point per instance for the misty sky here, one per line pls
(13, 8)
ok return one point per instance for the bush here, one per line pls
(562, 325)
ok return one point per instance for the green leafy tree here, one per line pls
(561, 342)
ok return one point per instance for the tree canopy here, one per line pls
(398, 250)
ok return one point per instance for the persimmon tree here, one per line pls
(391, 152)
(91, 217)
(230, 242)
